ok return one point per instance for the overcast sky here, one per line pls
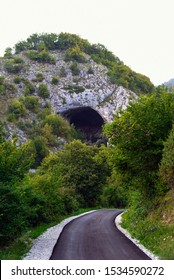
(139, 32)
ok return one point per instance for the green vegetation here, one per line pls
(6, 87)
(38, 46)
(13, 65)
(42, 56)
(74, 54)
(75, 69)
(22, 245)
(43, 91)
(74, 88)
(31, 103)
(55, 80)
(135, 171)
(142, 165)
(16, 109)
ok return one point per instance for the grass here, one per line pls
(155, 228)
(22, 245)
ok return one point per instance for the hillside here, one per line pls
(170, 82)
(49, 74)
(61, 98)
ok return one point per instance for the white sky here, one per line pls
(139, 32)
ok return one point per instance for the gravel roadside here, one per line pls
(43, 245)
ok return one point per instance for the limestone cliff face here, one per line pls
(89, 87)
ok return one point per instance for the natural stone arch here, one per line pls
(87, 120)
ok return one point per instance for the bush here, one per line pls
(43, 56)
(17, 109)
(11, 67)
(75, 54)
(29, 87)
(31, 103)
(62, 72)
(39, 77)
(41, 149)
(75, 69)
(43, 91)
(166, 170)
(17, 80)
(55, 80)
(74, 88)
(90, 70)
(60, 127)
(13, 213)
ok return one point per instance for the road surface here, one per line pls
(95, 237)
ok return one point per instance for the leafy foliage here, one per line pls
(16, 108)
(42, 56)
(166, 170)
(43, 91)
(138, 135)
(75, 47)
(74, 54)
(13, 65)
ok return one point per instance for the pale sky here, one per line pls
(139, 32)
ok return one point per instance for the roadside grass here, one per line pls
(17, 249)
(152, 232)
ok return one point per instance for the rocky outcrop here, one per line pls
(91, 87)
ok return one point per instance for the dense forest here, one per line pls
(134, 171)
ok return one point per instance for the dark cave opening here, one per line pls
(87, 121)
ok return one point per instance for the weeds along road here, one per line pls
(95, 237)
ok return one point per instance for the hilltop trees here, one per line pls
(39, 45)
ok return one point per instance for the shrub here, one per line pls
(60, 127)
(74, 88)
(17, 80)
(39, 77)
(29, 87)
(62, 72)
(8, 53)
(17, 109)
(75, 54)
(13, 212)
(90, 70)
(12, 67)
(43, 56)
(31, 103)
(43, 91)
(75, 69)
(55, 80)
(166, 171)
(40, 146)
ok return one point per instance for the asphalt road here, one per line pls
(95, 237)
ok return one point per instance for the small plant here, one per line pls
(74, 88)
(90, 70)
(17, 80)
(43, 56)
(43, 91)
(31, 103)
(8, 53)
(29, 87)
(62, 72)
(75, 69)
(6, 87)
(39, 77)
(74, 54)
(12, 67)
(16, 109)
(55, 80)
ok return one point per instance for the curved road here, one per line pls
(95, 237)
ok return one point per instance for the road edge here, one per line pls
(43, 246)
(118, 221)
